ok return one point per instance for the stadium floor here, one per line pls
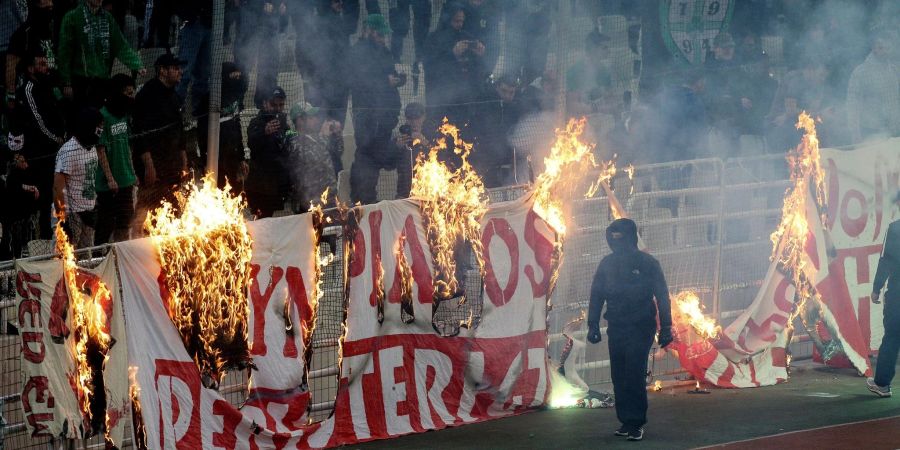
(791, 415)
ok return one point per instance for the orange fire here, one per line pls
(204, 252)
(406, 294)
(134, 390)
(89, 323)
(690, 310)
(657, 386)
(452, 204)
(570, 160)
(789, 239)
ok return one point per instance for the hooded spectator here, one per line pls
(873, 96)
(499, 111)
(116, 178)
(376, 107)
(455, 67)
(38, 115)
(268, 182)
(232, 159)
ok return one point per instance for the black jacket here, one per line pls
(158, 129)
(627, 281)
(889, 264)
(268, 156)
(493, 121)
(376, 104)
(39, 117)
(452, 83)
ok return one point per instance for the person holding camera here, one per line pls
(376, 107)
(410, 141)
(626, 282)
(267, 182)
(314, 153)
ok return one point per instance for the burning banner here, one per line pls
(73, 347)
(824, 252)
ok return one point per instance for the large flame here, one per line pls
(91, 329)
(569, 162)
(452, 201)
(688, 309)
(204, 252)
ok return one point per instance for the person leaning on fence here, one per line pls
(74, 193)
(314, 155)
(888, 273)
(626, 282)
(115, 177)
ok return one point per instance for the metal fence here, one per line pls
(707, 221)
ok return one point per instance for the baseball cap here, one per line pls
(378, 23)
(277, 92)
(303, 109)
(167, 60)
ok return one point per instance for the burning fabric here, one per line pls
(452, 204)
(204, 254)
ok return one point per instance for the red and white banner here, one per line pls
(51, 396)
(841, 257)
(396, 377)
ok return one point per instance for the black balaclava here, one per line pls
(621, 235)
(88, 126)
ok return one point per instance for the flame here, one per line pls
(204, 252)
(570, 160)
(689, 309)
(406, 294)
(657, 386)
(697, 386)
(789, 239)
(134, 389)
(452, 204)
(92, 339)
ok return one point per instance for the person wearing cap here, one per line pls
(376, 107)
(268, 182)
(314, 156)
(89, 42)
(888, 273)
(159, 141)
(627, 281)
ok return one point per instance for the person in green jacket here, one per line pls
(89, 41)
(115, 177)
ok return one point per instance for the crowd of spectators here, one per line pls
(103, 146)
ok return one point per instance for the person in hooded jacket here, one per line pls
(233, 164)
(454, 66)
(627, 281)
(888, 273)
(116, 178)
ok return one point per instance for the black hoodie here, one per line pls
(627, 281)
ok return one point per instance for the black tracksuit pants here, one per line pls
(890, 343)
(629, 346)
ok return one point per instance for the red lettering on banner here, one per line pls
(853, 226)
(32, 309)
(358, 257)
(260, 303)
(34, 355)
(297, 293)
(500, 227)
(231, 417)
(59, 309)
(40, 387)
(179, 424)
(420, 272)
(543, 254)
(376, 268)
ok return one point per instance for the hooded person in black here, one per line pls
(232, 164)
(888, 273)
(627, 281)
